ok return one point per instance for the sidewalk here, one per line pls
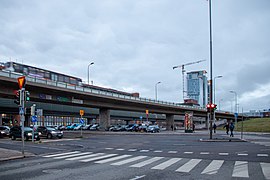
(7, 154)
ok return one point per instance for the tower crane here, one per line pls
(183, 72)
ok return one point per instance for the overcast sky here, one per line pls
(135, 43)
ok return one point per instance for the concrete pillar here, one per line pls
(207, 122)
(169, 122)
(104, 118)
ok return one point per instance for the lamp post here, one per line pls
(235, 115)
(215, 87)
(89, 70)
(211, 70)
(156, 89)
(219, 103)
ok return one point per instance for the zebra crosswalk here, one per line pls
(240, 169)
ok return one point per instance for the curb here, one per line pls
(222, 140)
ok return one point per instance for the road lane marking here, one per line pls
(138, 177)
(86, 156)
(240, 169)
(144, 150)
(203, 153)
(132, 150)
(98, 158)
(173, 152)
(54, 155)
(72, 155)
(223, 154)
(188, 152)
(149, 161)
(112, 159)
(120, 149)
(262, 155)
(242, 154)
(189, 165)
(109, 148)
(158, 151)
(128, 160)
(213, 167)
(166, 163)
(266, 170)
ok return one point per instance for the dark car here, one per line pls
(4, 131)
(49, 132)
(16, 132)
(153, 129)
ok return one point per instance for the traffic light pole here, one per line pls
(22, 117)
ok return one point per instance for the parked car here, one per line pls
(134, 127)
(142, 128)
(72, 126)
(153, 129)
(16, 132)
(87, 127)
(79, 127)
(95, 127)
(49, 132)
(4, 131)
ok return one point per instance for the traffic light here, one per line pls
(211, 107)
(33, 110)
(18, 98)
(27, 96)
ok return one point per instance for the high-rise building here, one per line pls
(197, 87)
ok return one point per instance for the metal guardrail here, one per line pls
(91, 90)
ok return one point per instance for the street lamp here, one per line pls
(215, 87)
(88, 70)
(156, 88)
(219, 103)
(235, 115)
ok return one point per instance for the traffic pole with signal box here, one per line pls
(81, 120)
(147, 112)
(21, 83)
(33, 114)
(18, 98)
(27, 96)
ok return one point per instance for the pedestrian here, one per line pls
(231, 129)
(214, 127)
(193, 127)
(172, 127)
(227, 128)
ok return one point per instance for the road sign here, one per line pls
(81, 121)
(21, 82)
(81, 112)
(236, 115)
(34, 118)
(21, 111)
(141, 117)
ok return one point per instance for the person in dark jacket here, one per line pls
(227, 127)
(214, 127)
(231, 129)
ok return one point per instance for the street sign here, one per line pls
(34, 118)
(236, 115)
(81, 112)
(141, 117)
(21, 110)
(81, 121)
(21, 82)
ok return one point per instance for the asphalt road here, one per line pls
(140, 156)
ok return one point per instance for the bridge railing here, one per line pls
(90, 90)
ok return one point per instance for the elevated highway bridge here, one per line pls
(61, 97)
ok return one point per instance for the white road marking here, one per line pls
(138, 177)
(204, 153)
(242, 154)
(144, 150)
(149, 161)
(132, 150)
(262, 155)
(57, 140)
(120, 149)
(97, 158)
(112, 159)
(189, 165)
(128, 160)
(173, 152)
(213, 167)
(108, 148)
(54, 155)
(166, 163)
(240, 169)
(158, 151)
(223, 154)
(86, 156)
(266, 170)
(72, 155)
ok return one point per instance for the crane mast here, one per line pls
(183, 72)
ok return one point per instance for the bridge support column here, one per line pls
(1, 120)
(169, 122)
(104, 118)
